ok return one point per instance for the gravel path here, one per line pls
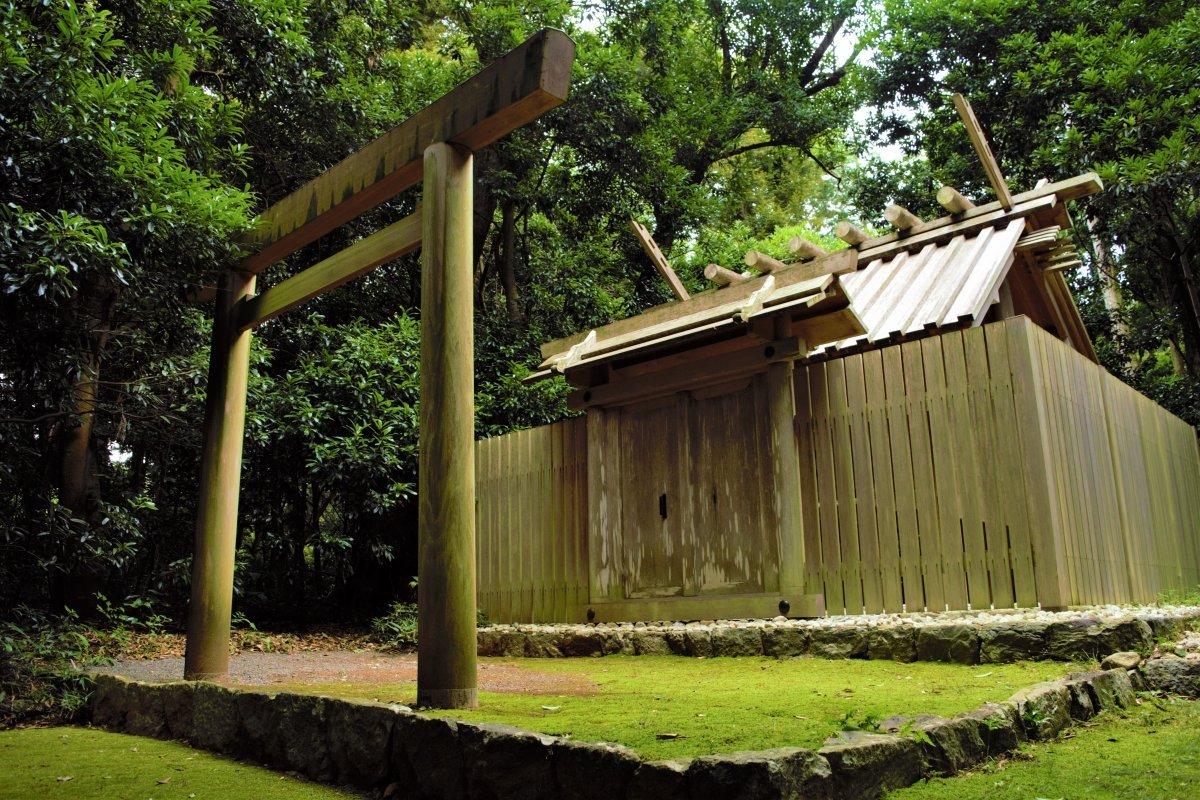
(264, 669)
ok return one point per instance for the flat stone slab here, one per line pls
(964, 637)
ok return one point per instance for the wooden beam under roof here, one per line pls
(510, 92)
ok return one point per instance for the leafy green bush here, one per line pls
(397, 629)
(1180, 597)
(42, 659)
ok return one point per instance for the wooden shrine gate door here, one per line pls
(695, 509)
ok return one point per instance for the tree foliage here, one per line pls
(139, 137)
(1065, 88)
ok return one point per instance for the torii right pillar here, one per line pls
(446, 462)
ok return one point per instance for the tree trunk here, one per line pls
(1107, 272)
(1185, 291)
(78, 464)
(79, 489)
(508, 261)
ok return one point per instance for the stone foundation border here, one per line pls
(370, 745)
(962, 637)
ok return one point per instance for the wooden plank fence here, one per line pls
(1129, 483)
(930, 507)
(988, 467)
(531, 523)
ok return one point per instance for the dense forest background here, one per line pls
(139, 137)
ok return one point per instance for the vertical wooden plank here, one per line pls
(1065, 455)
(604, 505)
(863, 482)
(785, 471)
(529, 513)
(992, 481)
(928, 522)
(897, 415)
(883, 482)
(1044, 511)
(1014, 521)
(483, 546)
(582, 493)
(946, 475)
(544, 530)
(687, 521)
(843, 471)
(807, 474)
(966, 443)
(764, 553)
(831, 558)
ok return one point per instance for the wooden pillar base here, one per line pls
(447, 698)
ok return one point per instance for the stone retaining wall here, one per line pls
(371, 745)
(961, 637)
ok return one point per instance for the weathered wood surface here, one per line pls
(395, 240)
(1003, 467)
(992, 466)
(1127, 482)
(220, 475)
(903, 450)
(512, 91)
(531, 521)
(652, 251)
(446, 658)
(668, 316)
(979, 141)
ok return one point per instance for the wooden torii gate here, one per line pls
(435, 145)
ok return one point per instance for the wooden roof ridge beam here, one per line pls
(722, 276)
(651, 248)
(850, 233)
(901, 218)
(984, 150)
(384, 245)
(949, 198)
(762, 262)
(805, 250)
(1088, 183)
(512, 91)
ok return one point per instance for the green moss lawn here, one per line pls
(724, 704)
(1151, 752)
(84, 764)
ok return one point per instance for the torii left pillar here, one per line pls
(207, 655)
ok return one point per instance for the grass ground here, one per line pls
(1151, 752)
(84, 764)
(723, 704)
